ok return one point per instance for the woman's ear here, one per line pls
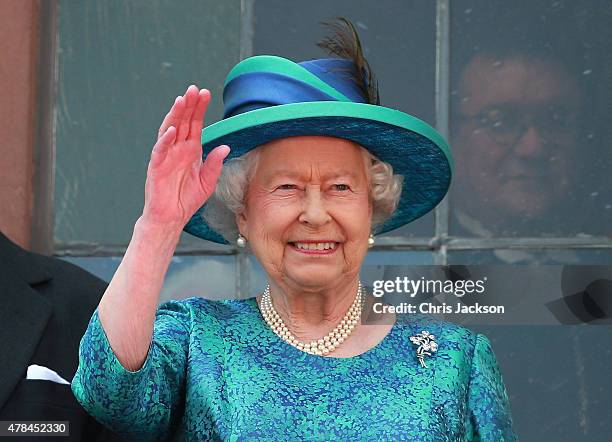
(241, 222)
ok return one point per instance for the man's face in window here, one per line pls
(515, 137)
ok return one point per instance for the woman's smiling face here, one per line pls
(308, 211)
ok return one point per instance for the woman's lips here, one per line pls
(315, 248)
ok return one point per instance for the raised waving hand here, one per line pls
(178, 181)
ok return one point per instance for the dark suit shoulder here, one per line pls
(52, 277)
(72, 283)
(73, 295)
(48, 304)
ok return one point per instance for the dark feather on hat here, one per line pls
(344, 43)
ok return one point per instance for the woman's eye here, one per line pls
(287, 187)
(341, 187)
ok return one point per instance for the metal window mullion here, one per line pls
(462, 243)
(530, 243)
(442, 100)
(384, 243)
(247, 28)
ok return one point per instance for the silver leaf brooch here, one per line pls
(426, 345)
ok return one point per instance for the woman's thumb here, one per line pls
(211, 168)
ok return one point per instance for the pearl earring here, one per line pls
(241, 241)
(371, 241)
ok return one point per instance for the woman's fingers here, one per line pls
(160, 150)
(191, 100)
(187, 114)
(173, 118)
(197, 119)
(211, 168)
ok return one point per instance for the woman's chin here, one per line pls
(313, 276)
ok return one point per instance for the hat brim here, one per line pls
(414, 148)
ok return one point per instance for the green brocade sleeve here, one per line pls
(145, 404)
(488, 404)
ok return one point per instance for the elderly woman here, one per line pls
(316, 166)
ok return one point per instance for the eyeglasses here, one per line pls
(507, 124)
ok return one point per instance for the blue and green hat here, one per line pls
(268, 97)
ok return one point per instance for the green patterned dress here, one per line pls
(215, 371)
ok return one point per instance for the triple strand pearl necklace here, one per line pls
(327, 343)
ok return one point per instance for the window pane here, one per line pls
(211, 277)
(557, 380)
(530, 84)
(120, 66)
(398, 39)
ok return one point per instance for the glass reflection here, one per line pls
(528, 162)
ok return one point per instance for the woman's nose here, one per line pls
(314, 212)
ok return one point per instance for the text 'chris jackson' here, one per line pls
(437, 309)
